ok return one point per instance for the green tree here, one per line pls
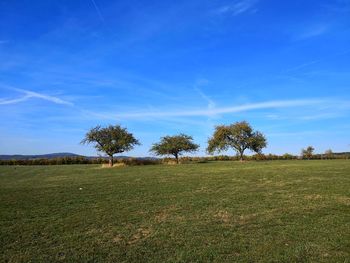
(240, 136)
(308, 152)
(110, 140)
(174, 145)
(288, 156)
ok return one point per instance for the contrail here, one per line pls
(31, 94)
(318, 60)
(98, 11)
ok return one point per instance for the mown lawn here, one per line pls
(278, 211)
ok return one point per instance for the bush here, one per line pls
(138, 161)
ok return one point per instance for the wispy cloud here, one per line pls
(313, 31)
(197, 88)
(31, 95)
(306, 64)
(98, 11)
(316, 61)
(321, 116)
(338, 113)
(311, 133)
(237, 7)
(211, 111)
(13, 101)
(294, 134)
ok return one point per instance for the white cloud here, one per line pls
(98, 11)
(13, 101)
(237, 7)
(321, 116)
(316, 61)
(211, 111)
(314, 31)
(197, 88)
(31, 94)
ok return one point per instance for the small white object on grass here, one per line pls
(80, 188)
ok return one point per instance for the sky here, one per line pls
(168, 67)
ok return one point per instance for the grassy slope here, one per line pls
(292, 211)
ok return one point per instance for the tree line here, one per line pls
(78, 160)
(186, 159)
(239, 136)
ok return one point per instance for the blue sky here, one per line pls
(165, 67)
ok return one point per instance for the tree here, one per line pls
(174, 145)
(240, 136)
(288, 156)
(110, 140)
(329, 154)
(308, 152)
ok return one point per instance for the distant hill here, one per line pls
(58, 155)
(41, 156)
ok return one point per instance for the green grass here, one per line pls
(280, 211)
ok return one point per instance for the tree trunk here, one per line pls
(111, 161)
(177, 158)
(241, 156)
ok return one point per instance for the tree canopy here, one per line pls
(308, 152)
(240, 136)
(174, 145)
(110, 140)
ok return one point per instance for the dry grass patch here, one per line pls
(245, 219)
(116, 165)
(223, 216)
(165, 213)
(313, 197)
(118, 239)
(140, 235)
(344, 200)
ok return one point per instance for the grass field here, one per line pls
(278, 211)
